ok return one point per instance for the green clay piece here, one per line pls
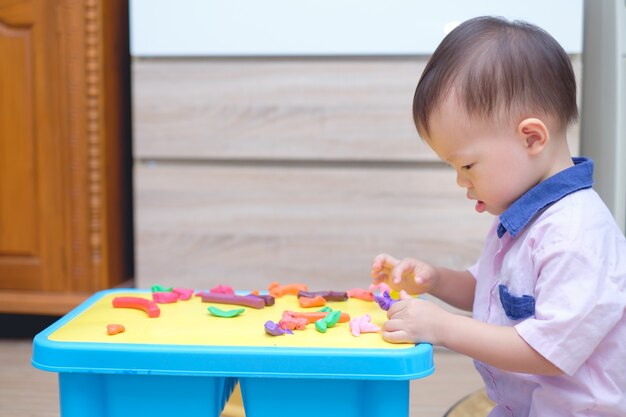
(325, 309)
(320, 325)
(332, 318)
(159, 288)
(218, 312)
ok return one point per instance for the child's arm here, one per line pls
(415, 277)
(414, 320)
(456, 288)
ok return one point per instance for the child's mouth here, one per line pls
(480, 206)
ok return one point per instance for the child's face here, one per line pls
(490, 157)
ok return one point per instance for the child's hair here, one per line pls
(498, 68)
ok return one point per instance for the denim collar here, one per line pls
(547, 192)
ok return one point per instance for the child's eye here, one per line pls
(467, 167)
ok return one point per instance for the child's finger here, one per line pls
(402, 268)
(400, 336)
(383, 261)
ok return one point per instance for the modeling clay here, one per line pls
(274, 329)
(149, 306)
(183, 293)
(268, 299)
(313, 316)
(327, 295)
(321, 325)
(165, 297)
(363, 324)
(113, 329)
(306, 302)
(218, 312)
(382, 287)
(242, 300)
(223, 289)
(159, 288)
(294, 323)
(361, 294)
(385, 301)
(329, 321)
(277, 290)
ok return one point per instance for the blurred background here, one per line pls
(196, 143)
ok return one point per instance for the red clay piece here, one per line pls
(149, 306)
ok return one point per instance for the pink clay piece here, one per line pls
(165, 297)
(223, 289)
(361, 294)
(363, 324)
(183, 293)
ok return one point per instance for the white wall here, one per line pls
(327, 27)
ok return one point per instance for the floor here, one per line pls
(28, 392)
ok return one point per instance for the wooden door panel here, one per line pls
(65, 197)
(18, 220)
(31, 249)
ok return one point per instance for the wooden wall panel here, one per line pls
(344, 109)
(247, 226)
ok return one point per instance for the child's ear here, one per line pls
(534, 135)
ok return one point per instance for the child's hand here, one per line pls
(410, 275)
(412, 320)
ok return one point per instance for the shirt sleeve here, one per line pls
(576, 305)
(474, 269)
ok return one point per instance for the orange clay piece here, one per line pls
(313, 316)
(317, 301)
(115, 329)
(277, 290)
(361, 294)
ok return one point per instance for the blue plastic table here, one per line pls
(116, 376)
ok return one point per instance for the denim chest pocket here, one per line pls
(516, 307)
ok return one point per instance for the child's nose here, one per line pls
(462, 180)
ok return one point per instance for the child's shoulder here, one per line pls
(580, 218)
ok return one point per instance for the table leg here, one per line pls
(123, 395)
(291, 397)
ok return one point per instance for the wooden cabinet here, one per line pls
(65, 152)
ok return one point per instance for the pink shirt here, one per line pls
(570, 263)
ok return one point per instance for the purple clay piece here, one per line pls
(267, 299)
(385, 301)
(273, 329)
(242, 300)
(327, 295)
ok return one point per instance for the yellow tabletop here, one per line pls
(190, 323)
